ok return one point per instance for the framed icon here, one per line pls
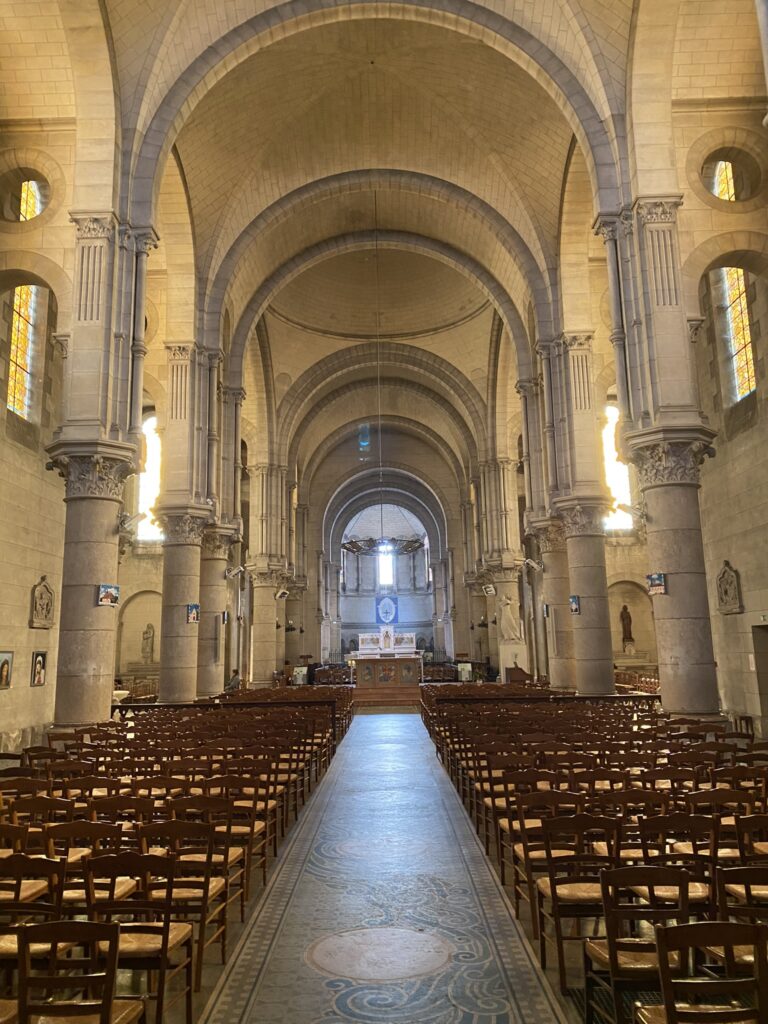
(6, 669)
(574, 604)
(39, 662)
(109, 595)
(193, 613)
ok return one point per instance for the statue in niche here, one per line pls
(729, 590)
(627, 640)
(510, 626)
(148, 644)
(42, 605)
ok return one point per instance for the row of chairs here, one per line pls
(574, 795)
(157, 823)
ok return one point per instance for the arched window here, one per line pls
(149, 482)
(616, 474)
(24, 317)
(386, 566)
(31, 203)
(736, 326)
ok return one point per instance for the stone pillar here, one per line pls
(592, 648)
(493, 633)
(556, 589)
(439, 606)
(181, 589)
(478, 636)
(669, 479)
(263, 617)
(212, 453)
(280, 620)
(213, 601)
(536, 579)
(86, 659)
(334, 582)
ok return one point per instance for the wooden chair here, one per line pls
(626, 959)
(72, 842)
(150, 940)
(72, 987)
(571, 888)
(694, 995)
(199, 894)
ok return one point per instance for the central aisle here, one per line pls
(383, 907)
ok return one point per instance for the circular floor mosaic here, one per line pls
(380, 954)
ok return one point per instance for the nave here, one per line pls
(383, 906)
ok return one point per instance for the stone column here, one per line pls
(86, 660)
(263, 617)
(145, 241)
(668, 471)
(440, 606)
(592, 648)
(181, 588)
(536, 582)
(334, 574)
(556, 589)
(213, 602)
(280, 620)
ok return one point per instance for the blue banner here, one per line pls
(386, 610)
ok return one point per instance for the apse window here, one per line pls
(25, 306)
(386, 567)
(732, 174)
(738, 332)
(616, 475)
(149, 482)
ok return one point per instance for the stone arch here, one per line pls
(357, 241)
(18, 266)
(748, 249)
(552, 73)
(538, 281)
(632, 591)
(406, 426)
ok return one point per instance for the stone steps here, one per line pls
(387, 696)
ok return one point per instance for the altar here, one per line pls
(386, 658)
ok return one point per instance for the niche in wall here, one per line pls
(138, 611)
(626, 592)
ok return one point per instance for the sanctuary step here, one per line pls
(387, 696)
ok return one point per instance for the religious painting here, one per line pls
(409, 673)
(387, 672)
(193, 613)
(574, 603)
(365, 673)
(6, 669)
(109, 595)
(39, 661)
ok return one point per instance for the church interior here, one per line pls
(383, 381)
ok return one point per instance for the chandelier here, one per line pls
(380, 545)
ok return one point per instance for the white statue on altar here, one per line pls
(386, 639)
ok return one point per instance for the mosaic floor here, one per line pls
(383, 908)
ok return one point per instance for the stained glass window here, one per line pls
(724, 186)
(616, 474)
(739, 332)
(149, 481)
(25, 300)
(30, 201)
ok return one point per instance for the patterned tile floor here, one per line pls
(383, 908)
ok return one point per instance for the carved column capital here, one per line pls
(527, 387)
(577, 340)
(217, 543)
(606, 225)
(182, 528)
(670, 462)
(92, 475)
(95, 225)
(180, 353)
(583, 520)
(146, 240)
(550, 536)
(658, 209)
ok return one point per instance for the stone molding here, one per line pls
(180, 353)
(670, 462)
(695, 324)
(182, 528)
(583, 520)
(146, 239)
(92, 476)
(606, 226)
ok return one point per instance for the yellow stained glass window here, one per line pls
(724, 187)
(739, 331)
(30, 200)
(616, 474)
(22, 342)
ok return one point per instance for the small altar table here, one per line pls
(376, 671)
